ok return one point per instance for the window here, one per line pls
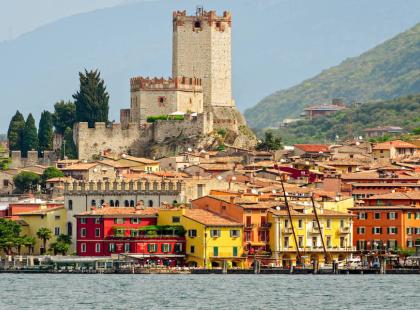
(215, 233)
(235, 251)
(117, 203)
(152, 247)
(135, 220)
(57, 231)
(197, 24)
(248, 236)
(5, 183)
(126, 203)
(300, 241)
(392, 215)
(97, 220)
(417, 231)
(235, 233)
(111, 247)
(342, 242)
(417, 217)
(132, 203)
(361, 245)
(314, 241)
(329, 244)
(111, 203)
(328, 223)
(409, 215)
(341, 223)
(69, 228)
(409, 230)
(97, 232)
(192, 249)
(176, 219)
(286, 223)
(93, 203)
(134, 233)
(57, 217)
(83, 220)
(392, 230)
(215, 251)
(286, 242)
(83, 247)
(409, 243)
(178, 247)
(300, 224)
(127, 247)
(119, 221)
(192, 233)
(98, 248)
(166, 247)
(361, 230)
(377, 216)
(83, 232)
(70, 205)
(376, 230)
(362, 215)
(150, 203)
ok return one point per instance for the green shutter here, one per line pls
(235, 251)
(215, 251)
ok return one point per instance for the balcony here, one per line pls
(315, 230)
(265, 226)
(344, 230)
(249, 226)
(223, 255)
(287, 230)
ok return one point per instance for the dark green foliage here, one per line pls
(9, 235)
(269, 143)
(222, 132)
(4, 158)
(92, 99)
(62, 245)
(26, 181)
(64, 116)
(15, 132)
(45, 133)
(44, 234)
(30, 136)
(154, 118)
(70, 148)
(49, 173)
(387, 71)
(403, 112)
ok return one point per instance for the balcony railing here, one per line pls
(223, 255)
(344, 230)
(314, 230)
(287, 230)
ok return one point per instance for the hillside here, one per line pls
(41, 67)
(390, 70)
(403, 112)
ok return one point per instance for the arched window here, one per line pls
(102, 202)
(117, 203)
(70, 206)
(93, 203)
(69, 228)
(126, 203)
(132, 203)
(150, 203)
(111, 203)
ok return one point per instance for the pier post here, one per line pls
(382, 263)
(224, 264)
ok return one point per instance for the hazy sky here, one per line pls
(20, 16)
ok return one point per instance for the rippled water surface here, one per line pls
(54, 291)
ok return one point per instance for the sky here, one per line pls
(20, 16)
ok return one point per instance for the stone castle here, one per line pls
(200, 89)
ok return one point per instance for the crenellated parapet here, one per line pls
(138, 187)
(180, 18)
(176, 83)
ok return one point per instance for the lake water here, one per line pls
(55, 291)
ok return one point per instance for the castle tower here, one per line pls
(202, 49)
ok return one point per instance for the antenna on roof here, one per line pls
(199, 10)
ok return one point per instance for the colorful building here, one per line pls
(211, 240)
(105, 231)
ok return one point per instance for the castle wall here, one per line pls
(47, 159)
(202, 48)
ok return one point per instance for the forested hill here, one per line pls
(388, 71)
(403, 112)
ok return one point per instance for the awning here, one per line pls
(153, 255)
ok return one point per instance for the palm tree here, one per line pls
(44, 234)
(18, 244)
(62, 245)
(29, 243)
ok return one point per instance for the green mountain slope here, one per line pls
(403, 112)
(390, 70)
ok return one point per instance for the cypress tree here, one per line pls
(30, 136)
(92, 98)
(64, 116)
(15, 132)
(45, 132)
(70, 149)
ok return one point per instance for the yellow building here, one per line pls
(340, 204)
(52, 218)
(211, 240)
(336, 230)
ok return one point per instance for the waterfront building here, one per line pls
(334, 232)
(132, 232)
(212, 241)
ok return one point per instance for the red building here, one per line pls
(130, 231)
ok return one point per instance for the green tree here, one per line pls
(64, 116)
(62, 245)
(269, 143)
(4, 158)
(9, 235)
(70, 148)
(26, 181)
(49, 173)
(29, 242)
(92, 98)
(45, 133)
(30, 136)
(15, 132)
(44, 234)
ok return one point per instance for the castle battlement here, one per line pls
(211, 17)
(176, 83)
(103, 127)
(115, 187)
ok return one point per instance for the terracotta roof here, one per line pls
(414, 195)
(313, 148)
(309, 213)
(217, 167)
(41, 211)
(118, 211)
(208, 218)
(60, 179)
(82, 166)
(396, 143)
(170, 174)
